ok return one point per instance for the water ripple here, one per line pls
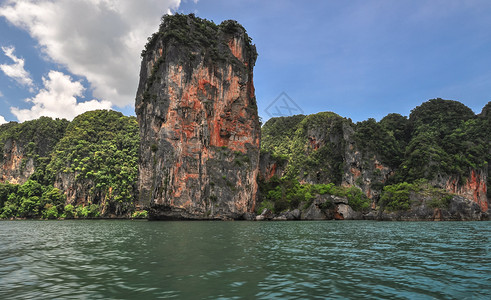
(244, 260)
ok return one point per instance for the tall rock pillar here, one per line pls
(198, 119)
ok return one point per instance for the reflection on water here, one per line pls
(261, 260)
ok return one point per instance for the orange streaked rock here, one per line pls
(197, 106)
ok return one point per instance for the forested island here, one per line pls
(87, 168)
(196, 150)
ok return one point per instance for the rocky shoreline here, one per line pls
(337, 208)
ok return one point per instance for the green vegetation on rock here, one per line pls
(194, 32)
(283, 194)
(30, 200)
(390, 159)
(37, 137)
(447, 138)
(398, 196)
(298, 139)
(377, 137)
(100, 148)
(97, 151)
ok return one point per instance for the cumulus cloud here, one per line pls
(99, 39)
(16, 70)
(2, 120)
(58, 100)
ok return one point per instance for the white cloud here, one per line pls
(58, 100)
(99, 39)
(16, 70)
(2, 120)
(1, 95)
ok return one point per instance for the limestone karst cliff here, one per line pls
(88, 165)
(193, 152)
(95, 163)
(26, 147)
(432, 165)
(198, 119)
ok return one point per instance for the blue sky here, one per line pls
(359, 59)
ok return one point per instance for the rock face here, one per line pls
(473, 188)
(27, 146)
(442, 142)
(324, 149)
(199, 126)
(363, 170)
(458, 209)
(92, 160)
(95, 163)
(17, 166)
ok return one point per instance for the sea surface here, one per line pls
(124, 259)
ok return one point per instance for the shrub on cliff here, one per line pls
(287, 194)
(87, 211)
(50, 211)
(398, 196)
(357, 199)
(141, 214)
(69, 211)
(7, 189)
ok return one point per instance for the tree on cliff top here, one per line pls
(447, 139)
(444, 116)
(191, 31)
(41, 134)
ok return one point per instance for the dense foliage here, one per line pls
(398, 196)
(296, 138)
(42, 134)
(194, 32)
(381, 138)
(38, 136)
(278, 135)
(97, 151)
(485, 137)
(440, 139)
(30, 200)
(288, 194)
(100, 148)
(447, 138)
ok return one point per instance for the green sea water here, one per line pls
(124, 259)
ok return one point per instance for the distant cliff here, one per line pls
(27, 147)
(199, 126)
(95, 163)
(55, 168)
(442, 150)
